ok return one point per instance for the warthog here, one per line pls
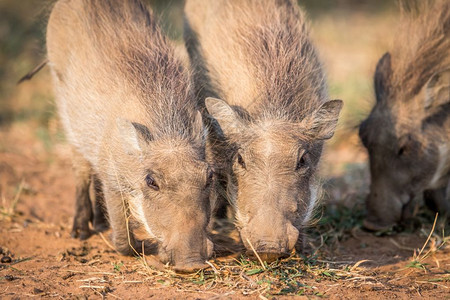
(407, 133)
(129, 111)
(268, 132)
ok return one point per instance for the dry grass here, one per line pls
(245, 276)
(300, 274)
(8, 210)
(436, 243)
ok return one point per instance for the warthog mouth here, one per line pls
(190, 268)
(375, 222)
(187, 261)
(267, 256)
(373, 225)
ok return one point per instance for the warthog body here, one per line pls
(407, 132)
(130, 114)
(267, 132)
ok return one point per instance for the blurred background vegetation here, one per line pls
(350, 34)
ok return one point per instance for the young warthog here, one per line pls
(407, 132)
(129, 112)
(267, 137)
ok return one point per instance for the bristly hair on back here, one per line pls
(258, 56)
(422, 47)
(285, 61)
(145, 58)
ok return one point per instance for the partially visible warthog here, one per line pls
(407, 133)
(267, 136)
(129, 112)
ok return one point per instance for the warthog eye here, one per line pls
(151, 182)
(302, 162)
(401, 151)
(241, 161)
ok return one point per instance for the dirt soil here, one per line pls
(41, 259)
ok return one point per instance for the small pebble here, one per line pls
(6, 260)
(10, 278)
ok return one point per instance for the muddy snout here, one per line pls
(189, 257)
(270, 244)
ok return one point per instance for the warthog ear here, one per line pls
(323, 122)
(225, 115)
(382, 77)
(134, 135)
(437, 90)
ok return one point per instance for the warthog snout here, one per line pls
(184, 263)
(385, 208)
(187, 257)
(269, 242)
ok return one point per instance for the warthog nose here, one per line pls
(272, 245)
(373, 224)
(194, 260)
(268, 256)
(190, 267)
(268, 251)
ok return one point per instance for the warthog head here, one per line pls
(170, 183)
(407, 137)
(273, 186)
